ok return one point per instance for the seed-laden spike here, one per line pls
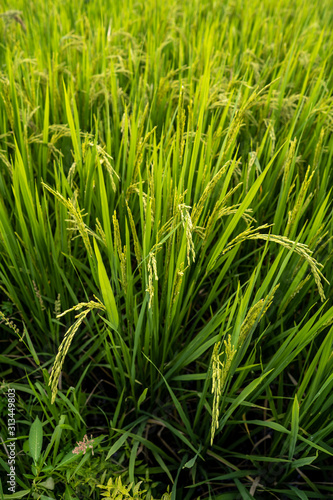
(7, 100)
(178, 280)
(62, 351)
(242, 237)
(216, 389)
(253, 157)
(219, 377)
(198, 207)
(100, 231)
(221, 209)
(38, 295)
(249, 321)
(152, 274)
(303, 251)
(296, 291)
(76, 217)
(10, 324)
(67, 340)
(57, 305)
(139, 152)
(105, 159)
(137, 246)
(71, 173)
(300, 204)
(256, 313)
(270, 125)
(189, 228)
(151, 192)
(142, 120)
(5, 160)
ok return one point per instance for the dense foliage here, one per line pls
(166, 244)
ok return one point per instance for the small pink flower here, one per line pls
(83, 445)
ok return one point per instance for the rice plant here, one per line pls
(166, 246)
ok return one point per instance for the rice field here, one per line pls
(166, 249)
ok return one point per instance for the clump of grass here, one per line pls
(167, 184)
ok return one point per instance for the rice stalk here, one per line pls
(303, 251)
(255, 314)
(219, 376)
(121, 252)
(76, 217)
(198, 207)
(152, 275)
(68, 338)
(292, 215)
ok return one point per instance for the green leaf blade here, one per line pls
(36, 439)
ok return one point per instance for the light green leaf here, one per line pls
(48, 484)
(142, 397)
(17, 494)
(189, 464)
(118, 444)
(301, 462)
(36, 439)
(106, 289)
